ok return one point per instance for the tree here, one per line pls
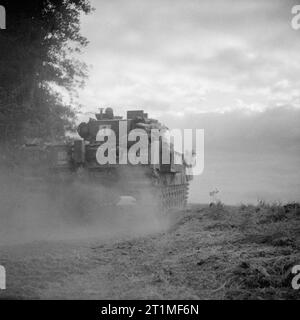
(38, 63)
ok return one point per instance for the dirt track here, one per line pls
(206, 253)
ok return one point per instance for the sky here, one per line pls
(231, 67)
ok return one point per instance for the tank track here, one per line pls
(173, 197)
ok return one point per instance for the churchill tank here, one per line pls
(115, 158)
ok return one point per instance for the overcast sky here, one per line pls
(231, 67)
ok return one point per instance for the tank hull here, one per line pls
(73, 168)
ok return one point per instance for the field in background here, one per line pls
(207, 252)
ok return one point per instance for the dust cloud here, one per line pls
(35, 210)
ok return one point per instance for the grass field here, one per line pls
(206, 252)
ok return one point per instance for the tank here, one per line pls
(77, 165)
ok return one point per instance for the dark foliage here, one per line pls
(38, 64)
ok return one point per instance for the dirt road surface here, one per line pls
(204, 253)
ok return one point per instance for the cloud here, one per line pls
(273, 131)
(231, 67)
(248, 155)
(181, 53)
